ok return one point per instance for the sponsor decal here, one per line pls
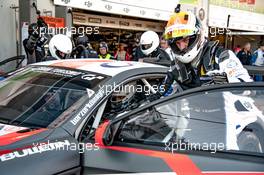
(90, 92)
(41, 69)
(231, 64)
(96, 98)
(231, 72)
(54, 22)
(116, 64)
(34, 150)
(68, 73)
(86, 108)
(62, 72)
(90, 77)
(247, 105)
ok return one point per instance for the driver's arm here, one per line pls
(231, 65)
(164, 86)
(177, 72)
(167, 82)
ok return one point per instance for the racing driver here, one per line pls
(197, 60)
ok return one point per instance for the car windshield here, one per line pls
(36, 96)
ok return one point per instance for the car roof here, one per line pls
(107, 67)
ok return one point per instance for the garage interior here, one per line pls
(115, 29)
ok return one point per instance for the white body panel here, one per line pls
(107, 67)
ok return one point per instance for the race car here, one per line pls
(59, 117)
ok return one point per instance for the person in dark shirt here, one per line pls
(83, 48)
(34, 44)
(244, 55)
(136, 52)
(149, 44)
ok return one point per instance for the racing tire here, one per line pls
(249, 141)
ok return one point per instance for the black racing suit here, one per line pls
(194, 74)
(85, 52)
(158, 56)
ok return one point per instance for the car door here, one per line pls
(209, 130)
(141, 86)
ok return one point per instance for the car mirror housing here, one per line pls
(104, 135)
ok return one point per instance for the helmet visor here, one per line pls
(178, 33)
(62, 55)
(146, 46)
(182, 45)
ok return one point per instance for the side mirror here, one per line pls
(104, 134)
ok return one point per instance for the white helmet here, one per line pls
(185, 25)
(149, 42)
(60, 46)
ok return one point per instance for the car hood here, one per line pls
(27, 150)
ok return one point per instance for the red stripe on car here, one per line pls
(179, 163)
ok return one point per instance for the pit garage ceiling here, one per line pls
(136, 8)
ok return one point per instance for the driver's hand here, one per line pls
(218, 77)
(214, 72)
